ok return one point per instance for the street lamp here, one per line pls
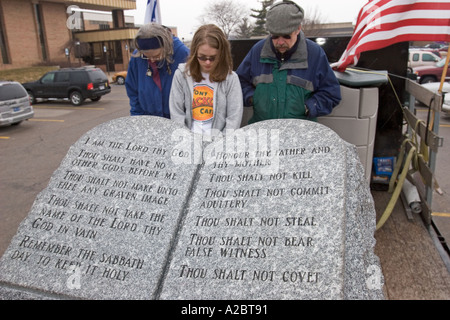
(67, 52)
(105, 50)
(78, 44)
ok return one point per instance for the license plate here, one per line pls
(101, 87)
(16, 109)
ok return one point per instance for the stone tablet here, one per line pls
(103, 227)
(141, 208)
(280, 210)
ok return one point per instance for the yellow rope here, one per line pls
(417, 150)
(394, 198)
(412, 154)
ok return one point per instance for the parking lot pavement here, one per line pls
(33, 150)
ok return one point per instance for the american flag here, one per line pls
(381, 23)
(152, 12)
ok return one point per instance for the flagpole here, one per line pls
(444, 71)
(441, 85)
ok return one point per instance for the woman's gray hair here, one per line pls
(164, 36)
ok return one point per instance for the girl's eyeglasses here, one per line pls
(205, 58)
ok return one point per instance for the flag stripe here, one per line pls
(375, 7)
(401, 28)
(382, 23)
(375, 44)
(152, 12)
(435, 17)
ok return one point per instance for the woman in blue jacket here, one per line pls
(151, 70)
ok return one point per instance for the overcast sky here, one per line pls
(185, 14)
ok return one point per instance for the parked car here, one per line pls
(15, 104)
(75, 84)
(427, 74)
(435, 45)
(443, 51)
(418, 57)
(434, 87)
(119, 77)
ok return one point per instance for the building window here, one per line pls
(3, 47)
(108, 51)
(41, 34)
(101, 25)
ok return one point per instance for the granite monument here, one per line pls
(141, 208)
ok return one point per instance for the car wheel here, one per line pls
(31, 97)
(76, 98)
(120, 80)
(427, 79)
(95, 99)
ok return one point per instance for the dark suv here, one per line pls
(75, 84)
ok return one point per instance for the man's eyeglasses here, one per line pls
(205, 58)
(284, 36)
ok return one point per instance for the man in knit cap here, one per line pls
(286, 75)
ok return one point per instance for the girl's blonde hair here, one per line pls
(213, 36)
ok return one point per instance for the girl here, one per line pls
(206, 93)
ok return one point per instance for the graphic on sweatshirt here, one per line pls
(202, 104)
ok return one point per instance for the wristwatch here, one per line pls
(306, 110)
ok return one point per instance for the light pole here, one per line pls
(128, 56)
(78, 51)
(67, 52)
(105, 50)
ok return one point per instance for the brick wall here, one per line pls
(22, 39)
(57, 33)
(22, 35)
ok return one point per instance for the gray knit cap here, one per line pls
(284, 17)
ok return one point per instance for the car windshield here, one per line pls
(440, 63)
(97, 75)
(12, 91)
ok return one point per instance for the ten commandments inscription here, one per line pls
(141, 208)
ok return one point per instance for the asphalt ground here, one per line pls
(34, 149)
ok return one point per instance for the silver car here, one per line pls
(15, 105)
(434, 87)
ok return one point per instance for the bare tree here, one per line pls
(311, 24)
(233, 19)
(226, 14)
(244, 29)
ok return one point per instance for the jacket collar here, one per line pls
(298, 59)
